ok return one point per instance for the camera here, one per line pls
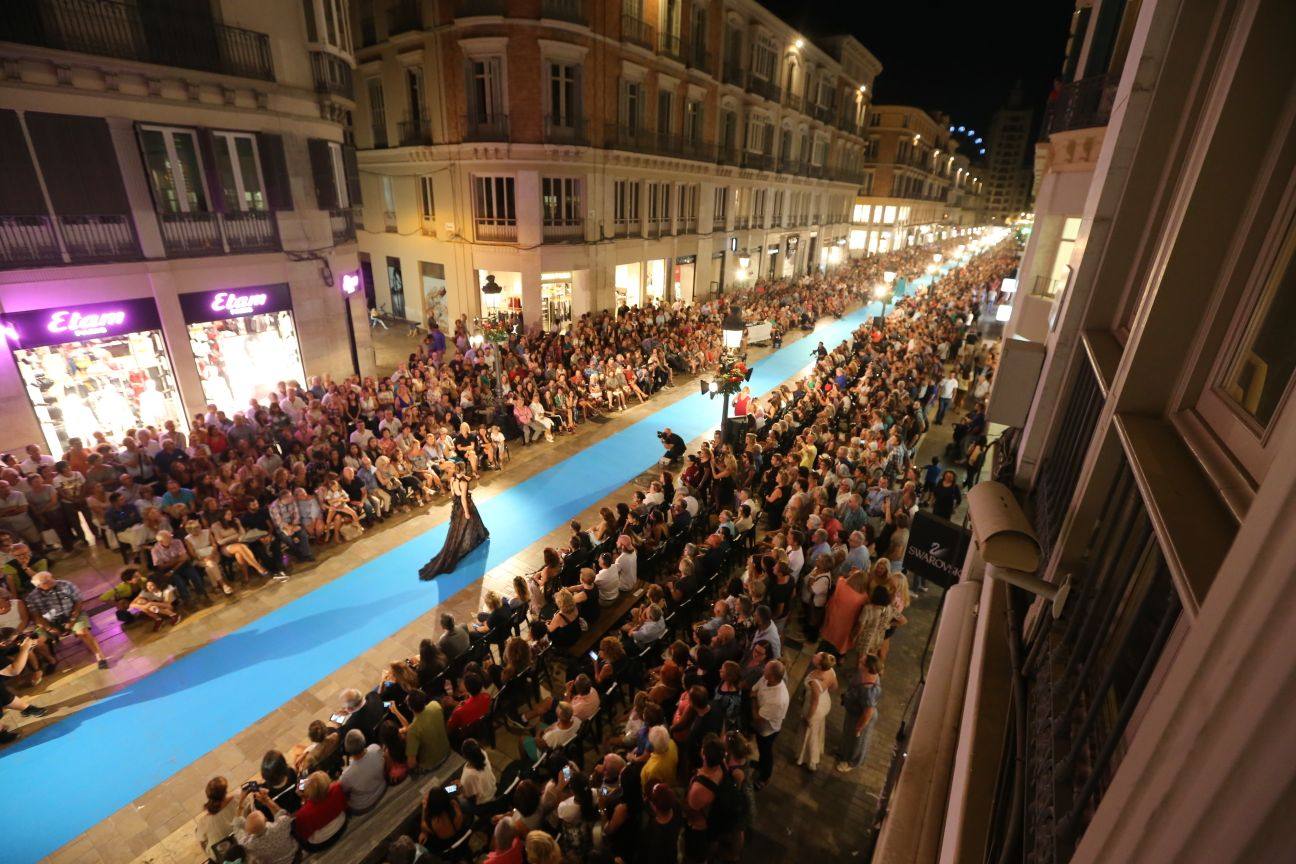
(252, 787)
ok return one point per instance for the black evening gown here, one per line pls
(466, 534)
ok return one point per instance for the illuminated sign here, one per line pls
(72, 323)
(203, 306)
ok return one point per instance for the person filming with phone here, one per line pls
(16, 650)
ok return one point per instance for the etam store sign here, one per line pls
(62, 324)
(204, 306)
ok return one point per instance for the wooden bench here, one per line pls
(366, 837)
(606, 622)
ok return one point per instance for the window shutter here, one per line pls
(326, 194)
(576, 110)
(79, 163)
(352, 171)
(207, 145)
(470, 77)
(20, 193)
(274, 165)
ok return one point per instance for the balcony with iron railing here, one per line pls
(34, 241)
(558, 229)
(566, 130)
(637, 32)
(250, 231)
(414, 132)
(718, 223)
(672, 46)
(741, 223)
(697, 57)
(571, 11)
(112, 28)
(758, 86)
(404, 16)
(728, 154)
(479, 8)
(187, 235)
(500, 230)
(489, 127)
(1082, 104)
(792, 100)
(757, 161)
(633, 138)
(733, 73)
(343, 223)
(332, 74)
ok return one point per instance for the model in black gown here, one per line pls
(467, 531)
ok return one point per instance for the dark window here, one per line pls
(274, 165)
(78, 163)
(20, 193)
(326, 191)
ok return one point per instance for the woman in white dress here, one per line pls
(819, 686)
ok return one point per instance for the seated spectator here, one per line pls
(427, 743)
(477, 781)
(364, 779)
(56, 607)
(268, 840)
(443, 821)
(471, 710)
(359, 712)
(455, 640)
(323, 814)
(652, 628)
(216, 821)
(322, 748)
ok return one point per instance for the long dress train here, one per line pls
(466, 534)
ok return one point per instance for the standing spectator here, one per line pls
(946, 496)
(863, 692)
(769, 707)
(945, 391)
(819, 686)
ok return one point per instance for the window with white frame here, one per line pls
(693, 121)
(819, 155)
(239, 169)
(564, 93)
(493, 202)
(659, 206)
(720, 204)
(560, 201)
(757, 130)
(389, 202)
(758, 207)
(328, 23)
(174, 168)
(427, 205)
(377, 110)
(688, 205)
(763, 57)
(632, 104)
(777, 218)
(625, 206)
(338, 167)
(486, 89)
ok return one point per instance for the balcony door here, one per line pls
(564, 95)
(239, 170)
(174, 169)
(486, 91)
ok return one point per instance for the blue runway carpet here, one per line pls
(78, 771)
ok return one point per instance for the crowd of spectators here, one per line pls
(639, 669)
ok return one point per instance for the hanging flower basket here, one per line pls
(731, 377)
(494, 331)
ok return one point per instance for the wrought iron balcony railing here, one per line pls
(111, 28)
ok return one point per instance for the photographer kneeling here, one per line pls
(674, 445)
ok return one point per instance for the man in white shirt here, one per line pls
(691, 504)
(292, 404)
(607, 580)
(35, 461)
(795, 557)
(945, 391)
(627, 564)
(655, 497)
(364, 779)
(769, 707)
(361, 436)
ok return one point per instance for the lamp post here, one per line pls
(732, 329)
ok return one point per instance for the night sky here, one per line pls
(959, 57)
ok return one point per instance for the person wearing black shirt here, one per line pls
(357, 493)
(674, 445)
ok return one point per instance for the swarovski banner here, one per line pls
(936, 549)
